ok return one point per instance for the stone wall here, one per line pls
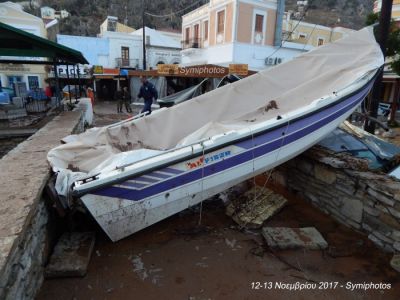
(22, 274)
(24, 243)
(344, 188)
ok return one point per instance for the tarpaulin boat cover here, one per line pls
(292, 85)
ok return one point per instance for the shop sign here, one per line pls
(97, 69)
(239, 69)
(195, 71)
(72, 72)
(168, 69)
(13, 68)
(108, 71)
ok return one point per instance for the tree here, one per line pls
(393, 41)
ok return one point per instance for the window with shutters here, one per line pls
(259, 23)
(187, 34)
(205, 30)
(220, 22)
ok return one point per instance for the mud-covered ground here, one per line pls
(180, 259)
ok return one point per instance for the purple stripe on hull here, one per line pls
(319, 119)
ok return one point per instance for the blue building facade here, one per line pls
(95, 50)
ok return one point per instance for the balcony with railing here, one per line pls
(126, 63)
(192, 43)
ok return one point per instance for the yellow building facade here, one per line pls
(112, 24)
(311, 34)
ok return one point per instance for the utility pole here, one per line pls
(144, 38)
(384, 28)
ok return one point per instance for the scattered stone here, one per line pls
(254, 207)
(324, 174)
(396, 246)
(138, 267)
(71, 255)
(230, 243)
(352, 209)
(390, 221)
(293, 238)
(376, 241)
(395, 262)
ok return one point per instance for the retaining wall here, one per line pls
(343, 187)
(24, 171)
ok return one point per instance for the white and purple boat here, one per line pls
(135, 173)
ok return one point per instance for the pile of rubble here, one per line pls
(256, 205)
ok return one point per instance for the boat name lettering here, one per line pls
(208, 159)
(195, 164)
(217, 156)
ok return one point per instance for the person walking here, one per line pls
(119, 97)
(90, 95)
(148, 92)
(127, 100)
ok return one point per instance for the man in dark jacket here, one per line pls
(147, 92)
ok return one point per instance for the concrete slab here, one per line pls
(395, 262)
(255, 206)
(71, 255)
(294, 238)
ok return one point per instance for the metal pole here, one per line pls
(75, 85)
(384, 28)
(393, 106)
(79, 81)
(57, 82)
(69, 88)
(143, 38)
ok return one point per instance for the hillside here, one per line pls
(346, 13)
(87, 15)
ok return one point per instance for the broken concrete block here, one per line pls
(292, 238)
(395, 262)
(71, 255)
(255, 206)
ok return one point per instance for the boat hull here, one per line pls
(136, 203)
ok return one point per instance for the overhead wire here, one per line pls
(291, 32)
(174, 13)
